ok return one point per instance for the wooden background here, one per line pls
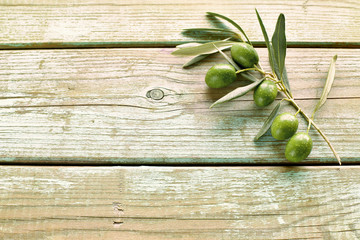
(75, 84)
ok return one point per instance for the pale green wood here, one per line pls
(122, 23)
(179, 203)
(92, 106)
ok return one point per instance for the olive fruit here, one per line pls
(220, 75)
(265, 93)
(244, 54)
(284, 126)
(298, 147)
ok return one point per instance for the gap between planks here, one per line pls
(170, 44)
(181, 167)
(174, 162)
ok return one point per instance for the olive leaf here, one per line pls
(238, 92)
(196, 59)
(206, 48)
(268, 44)
(327, 87)
(185, 45)
(212, 30)
(272, 61)
(228, 59)
(268, 122)
(279, 44)
(283, 76)
(199, 57)
(286, 80)
(232, 22)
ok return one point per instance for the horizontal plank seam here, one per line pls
(160, 44)
(49, 166)
(46, 163)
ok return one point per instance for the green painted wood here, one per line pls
(155, 23)
(179, 203)
(105, 106)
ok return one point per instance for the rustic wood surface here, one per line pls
(119, 97)
(179, 203)
(153, 23)
(91, 106)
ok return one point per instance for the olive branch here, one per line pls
(278, 75)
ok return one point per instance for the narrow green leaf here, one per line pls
(268, 44)
(185, 45)
(196, 59)
(228, 59)
(268, 122)
(200, 57)
(211, 30)
(238, 92)
(284, 74)
(230, 21)
(279, 44)
(275, 65)
(327, 87)
(286, 80)
(206, 48)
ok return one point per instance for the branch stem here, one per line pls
(311, 122)
(246, 69)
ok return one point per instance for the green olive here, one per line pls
(284, 126)
(265, 93)
(220, 75)
(298, 147)
(244, 54)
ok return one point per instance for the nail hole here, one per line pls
(117, 223)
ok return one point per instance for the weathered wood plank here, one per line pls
(25, 23)
(91, 106)
(179, 203)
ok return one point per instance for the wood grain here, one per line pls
(92, 107)
(179, 203)
(63, 23)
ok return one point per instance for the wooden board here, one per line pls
(60, 23)
(92, 107)
(179, 203)
(108, 92)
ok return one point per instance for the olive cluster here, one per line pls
(284, 125)
(300, 144)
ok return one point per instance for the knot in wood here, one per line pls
(156, 94)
